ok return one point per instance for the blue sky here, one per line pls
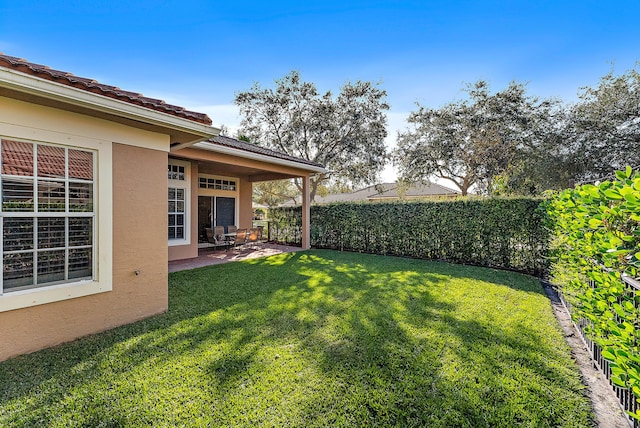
(200, 53)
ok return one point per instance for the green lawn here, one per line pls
(315, 338)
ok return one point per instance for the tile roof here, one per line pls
(17, 159)
(90, 85)
(416, 190)
(388, 191)
(242, 145)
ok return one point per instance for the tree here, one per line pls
(274, 193)
(545, 161)
(345, 134)
(475, 141)
(606, 125)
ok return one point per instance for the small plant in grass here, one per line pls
(597, 238)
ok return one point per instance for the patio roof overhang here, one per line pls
(257, 167)
(25, 87)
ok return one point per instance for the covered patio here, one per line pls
(211, 184)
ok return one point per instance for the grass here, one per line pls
(315, 338)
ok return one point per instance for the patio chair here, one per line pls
(254, 235)
(241, 238)
(232, 229)
(215, 238)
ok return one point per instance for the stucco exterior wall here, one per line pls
(245, 203)
(139, 232)
(136, 238)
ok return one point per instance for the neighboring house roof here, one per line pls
(416, 190)
(389, 191)
(90, 85)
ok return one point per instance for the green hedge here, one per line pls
(502, 233)
(596, 250)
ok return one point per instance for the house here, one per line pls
(101, 188)
(389, 192)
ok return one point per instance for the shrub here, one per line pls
(502, 233)
(596, 250)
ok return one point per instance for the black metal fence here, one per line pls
(286, 232)
(626, 397)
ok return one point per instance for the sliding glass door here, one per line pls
(215, 211)
(225, 212)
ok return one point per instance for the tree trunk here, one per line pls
(313, 190)
(465, 186)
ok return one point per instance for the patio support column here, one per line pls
(306, 213)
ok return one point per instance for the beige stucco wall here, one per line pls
(245, 203)
(139, 232)
(138, 225)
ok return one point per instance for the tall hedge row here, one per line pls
(596, 255)
(503, 233)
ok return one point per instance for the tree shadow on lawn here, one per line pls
(399, 341)
(320, 337)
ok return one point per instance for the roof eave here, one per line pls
(21, 82)
(259, 157)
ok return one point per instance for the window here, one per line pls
(176, 172)
(47, 215)
(176, 212)
(178, 202)
(205, 182)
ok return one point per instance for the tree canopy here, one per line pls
(274, 193)
(605, 125)
(344, 133)
(472, 141)
(511, 142)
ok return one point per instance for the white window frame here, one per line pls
(186, 186)
(101, 280)
(214, 188)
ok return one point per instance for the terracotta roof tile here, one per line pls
(90, 85)
(17, 159)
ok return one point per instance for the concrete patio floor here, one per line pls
(212, 256)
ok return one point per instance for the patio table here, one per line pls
(229, 237)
